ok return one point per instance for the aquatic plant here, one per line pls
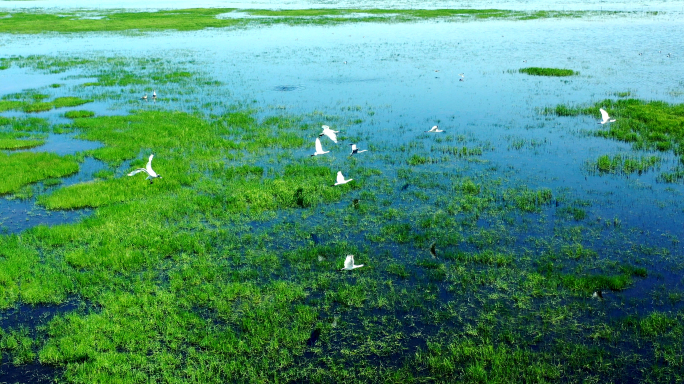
(557, 72)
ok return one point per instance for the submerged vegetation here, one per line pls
(558, 72)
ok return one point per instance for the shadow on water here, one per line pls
(30, 317)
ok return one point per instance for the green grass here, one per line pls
(78, 114)
(625, 164)
(223, 270)
(557, 72)
(201, 18)
(18, 140)
(30, 105)
(648, 125)
(24, 168)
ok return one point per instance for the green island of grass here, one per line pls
(200, 18)
(19, 140)
(557, 72)
(24, 168)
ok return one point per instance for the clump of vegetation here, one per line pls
(538, 71)
(20, 140)
(24, 168)
(625, 164)
(78, 114)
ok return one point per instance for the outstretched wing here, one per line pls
(331, 135)
(137, 171)
(340, 178)
(604, 114)
(349, 262)
(319, 147)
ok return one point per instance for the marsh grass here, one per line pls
(24, 168)
(625, 164)
(555, 72)
(211, 274)
(201, 18)
(20, 140)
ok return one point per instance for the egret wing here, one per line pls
(604, 114)
(319, 147)
(137, 171)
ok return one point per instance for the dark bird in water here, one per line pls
(314, 337)
(433, 251)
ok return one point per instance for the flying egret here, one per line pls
(355, 150)
(435, 129)
(330, 133)
(151, 174)
(605, 118)
(340, 179)
(319, 148)
(349, 264)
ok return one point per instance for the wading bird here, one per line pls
(462, 77)
(319, 148)
(154, 94)
(330, 133)
(349, 264)
(144, 97)
(355, 150)
(605, 118)
(151, 174)
(340, 179)
(435, 129)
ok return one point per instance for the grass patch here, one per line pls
(557, 72)
(625, 164)
(78, 114)
(20, 140)
(24, 168)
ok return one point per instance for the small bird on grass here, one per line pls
(151, 174)
(349, 264)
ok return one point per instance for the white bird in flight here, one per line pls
(340, 179)
(349, 264)
(355, 150)
(151, 174)
(605, 118)
(319, 148)
(330, 133)
(435, 129)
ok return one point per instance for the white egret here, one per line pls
(340, 179)
(330, 133)
(154, 94)
(355, 150)
(144, 97)
(605, 118)
(435, 129)
(151, 174)
(319, 148)
(349, 264)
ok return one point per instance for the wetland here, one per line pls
(525, 243)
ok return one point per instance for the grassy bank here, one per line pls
(202, 18)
